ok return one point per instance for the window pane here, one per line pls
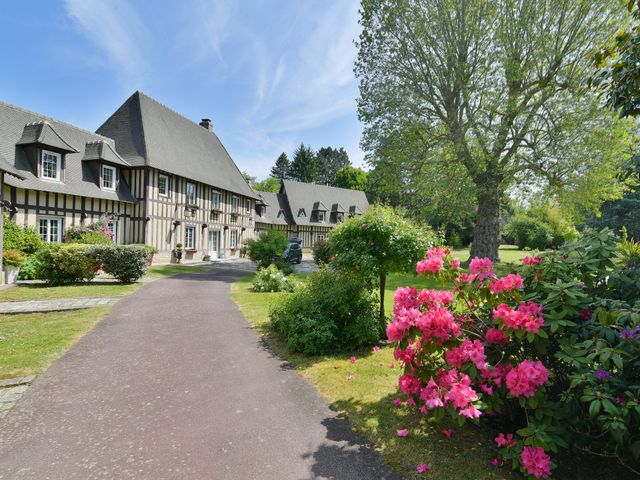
(50, 165)
(108, 178)
(44, 229)
(162, 184)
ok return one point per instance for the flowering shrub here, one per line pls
(550, 347)
(95, 233)
(271, 279)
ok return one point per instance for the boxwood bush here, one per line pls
(127, 263)
(66, 263)
(333, 311)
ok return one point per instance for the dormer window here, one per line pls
(51, 165)
(302, 213)
(339, 217)
(281, 214)
(321, 215)
(108, 178)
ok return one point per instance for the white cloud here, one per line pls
(115, 28)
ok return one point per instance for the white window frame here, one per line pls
(321, 216)
(58, 158)
(195, 193)
(112, 226)
(233, 239)
(47, 236)
(247, 206)
(321, 236)
(189, 241)
(114, 178)
(216, 199)
(162, 176)
(235, 203)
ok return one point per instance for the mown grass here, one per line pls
(41, 291)
(29, 343)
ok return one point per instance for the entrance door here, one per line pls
(214, 243)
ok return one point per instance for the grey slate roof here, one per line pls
(311, 196)
(78, 177)
(101, 150)
(5, 166)
(275, 202)
(149, 133)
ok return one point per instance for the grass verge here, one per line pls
(30, 342)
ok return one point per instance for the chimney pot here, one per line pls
(206, 124)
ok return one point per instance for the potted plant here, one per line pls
(12, 259)
(151, 251)
(206, 257)
(177, 253)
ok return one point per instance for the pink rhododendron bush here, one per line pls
(550, 350)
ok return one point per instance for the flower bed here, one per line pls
(550, 350)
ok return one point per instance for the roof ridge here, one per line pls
(321, 185)
(48, 119)
(140, 92)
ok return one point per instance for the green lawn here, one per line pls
(29, 343)
(94, 289)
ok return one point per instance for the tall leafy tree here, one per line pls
(304, 167)
(270, 184)
(351, 177)
(281, 169)
(486, 81)
(330, 161)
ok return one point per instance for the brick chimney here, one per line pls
(206, 124)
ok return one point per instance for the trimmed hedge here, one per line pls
(73, 263)
(127, 263)
(64, 264)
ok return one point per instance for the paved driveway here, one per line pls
(174, 384)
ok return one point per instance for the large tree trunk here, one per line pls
(486, 233)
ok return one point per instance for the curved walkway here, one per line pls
(174, 384)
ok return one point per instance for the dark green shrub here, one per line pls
(322, 252)
(333, 311)
(528, 232)
(29, 269)
(269, 246)
(127, 263)
(24, 239)
(67, 263)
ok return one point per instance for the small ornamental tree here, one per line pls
(552, 348)
(267, 248)
(376, 244)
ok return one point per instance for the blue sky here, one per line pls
(269, 73)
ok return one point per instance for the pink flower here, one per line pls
(333, 259)
(392, 365)
(431, 264)
(395, 332)
(409, 384)
(447, 433)
(350, 377)
(455, 264)
(376, 349)
(495, 335)
(531, 260)
(411, 402)
(496, 463)
(397, 402)
(505, 442)
(352, 359)
(524, 379)
(467, 351)
(423, 468)
(402, 433)
(536, 462)
(528, 316)
(506, 284)
(483, 267)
